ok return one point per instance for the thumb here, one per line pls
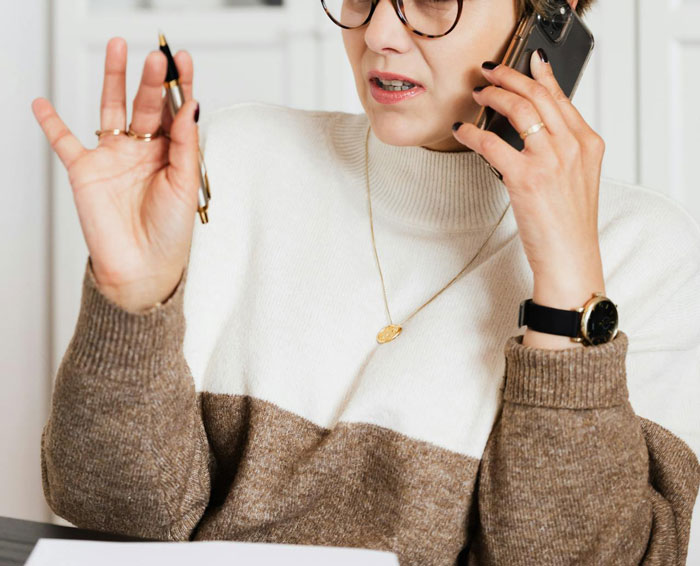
(183, 153)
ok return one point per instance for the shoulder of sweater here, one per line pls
(648, 217)
(651, 252)
(276, 121)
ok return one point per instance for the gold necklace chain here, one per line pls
(391, 331)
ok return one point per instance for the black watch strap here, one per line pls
(549, 320)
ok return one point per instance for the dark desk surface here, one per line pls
(18, 537)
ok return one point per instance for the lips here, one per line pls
(391, 76)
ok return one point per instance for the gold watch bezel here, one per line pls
(586, 311)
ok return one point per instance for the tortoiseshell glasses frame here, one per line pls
(398, 8)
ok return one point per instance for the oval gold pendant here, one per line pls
(388, 333)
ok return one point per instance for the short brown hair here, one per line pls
(547, 6)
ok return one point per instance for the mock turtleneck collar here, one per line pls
(435, 190)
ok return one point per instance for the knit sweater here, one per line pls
(256, 404)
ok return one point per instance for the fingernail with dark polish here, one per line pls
(489, 65)
(456, 126)
(479, 88)
(543, 55)
(196, 114)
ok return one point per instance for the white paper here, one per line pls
(61, 552)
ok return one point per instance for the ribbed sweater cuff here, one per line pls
(574, 378)
(108, 337)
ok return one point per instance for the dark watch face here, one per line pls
(602, 322)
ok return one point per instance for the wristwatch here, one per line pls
(596, 322)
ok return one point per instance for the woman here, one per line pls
(296, 408)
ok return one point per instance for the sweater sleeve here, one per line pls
(571, 475)
(124, 449)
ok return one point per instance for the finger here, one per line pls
(183, 153)
(503, 156)
(113, 104)
(185, 70)
(63, 142)
(533, 91)
(518, 110)
(148, 103)
(544, 74)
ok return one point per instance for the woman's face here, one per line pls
(448, 67)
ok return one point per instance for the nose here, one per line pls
(385, 31)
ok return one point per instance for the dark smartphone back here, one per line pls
(568, 43)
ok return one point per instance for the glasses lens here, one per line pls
(430, 17)
(350, 13)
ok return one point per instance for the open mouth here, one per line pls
(393, 86)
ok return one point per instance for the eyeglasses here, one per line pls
(428, 18)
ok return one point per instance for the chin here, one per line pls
(401, 131)
(408, 128)
(394, 129)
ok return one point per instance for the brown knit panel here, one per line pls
(124, 449)
(574, 378)
(674, 472)
(284, 479)
(548, 494)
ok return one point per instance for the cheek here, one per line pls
(353, 43)
(457, 71)
(453, 83)
(451, 64)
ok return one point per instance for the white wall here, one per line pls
(25, 285)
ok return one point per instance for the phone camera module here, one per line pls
(554, 25)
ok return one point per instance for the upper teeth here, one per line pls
(393, 82)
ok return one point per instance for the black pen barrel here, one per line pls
(172, 74)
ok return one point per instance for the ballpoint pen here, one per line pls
(176, 98)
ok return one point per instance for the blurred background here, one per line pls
(640, 92)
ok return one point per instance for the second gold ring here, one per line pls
(145, 137)
(532, 130)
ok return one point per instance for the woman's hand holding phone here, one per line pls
(136, 200)
(553, 183)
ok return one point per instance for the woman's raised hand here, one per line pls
(136, 200)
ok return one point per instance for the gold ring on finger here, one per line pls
(114, 132)
(532, 130)
(145, 137)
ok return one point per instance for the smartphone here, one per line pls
(569, 45)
